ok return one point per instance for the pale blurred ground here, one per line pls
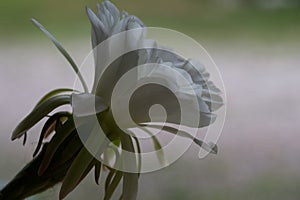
(258, 157)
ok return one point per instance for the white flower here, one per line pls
(65, 158)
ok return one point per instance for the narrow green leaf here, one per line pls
(130, 186)
(54, 93)
(139, 154)
(25, 139)
(109, 177)
(157, 147)
(67, 151)
(113, 185)
(49, 127)
(209, 147)
(97, 144)
(63, 51)
(98, 166)
(62, 133)
(159, 151)
(38, 113)
(78, 170)
(130, 180)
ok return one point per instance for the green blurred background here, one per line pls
(220, 19)
(255, 44)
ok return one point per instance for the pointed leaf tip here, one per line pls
(98, 167)
(214, 147)
(38, 113)
(78, 170)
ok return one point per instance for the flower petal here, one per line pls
(100, 31)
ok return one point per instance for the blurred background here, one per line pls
(256, 46)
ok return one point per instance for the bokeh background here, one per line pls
(255, 44)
